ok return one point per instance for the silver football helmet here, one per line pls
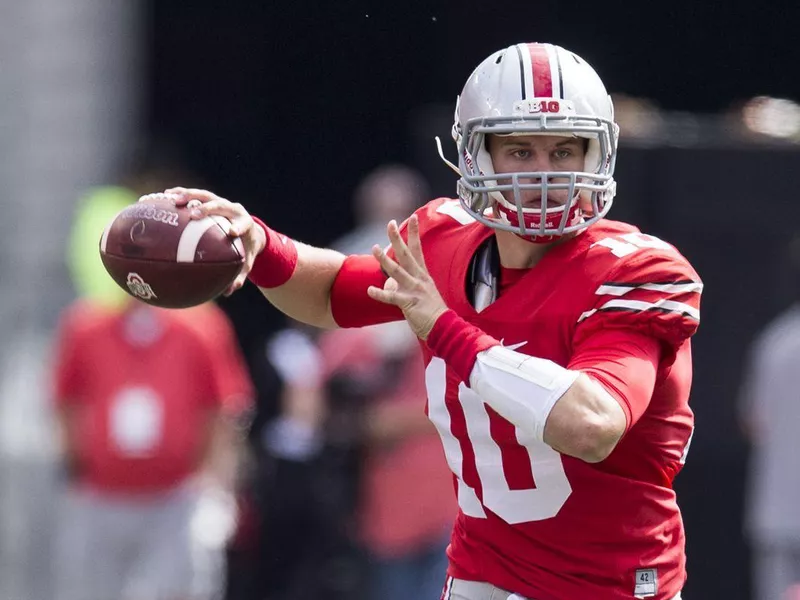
(535, 89)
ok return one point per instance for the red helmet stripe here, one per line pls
(542, 77)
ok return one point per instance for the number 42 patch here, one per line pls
(646, 583)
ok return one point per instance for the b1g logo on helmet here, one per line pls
(545, 106)
(535, 106)
(139, 287)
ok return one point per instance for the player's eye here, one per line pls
(522, 153)
(562, 153)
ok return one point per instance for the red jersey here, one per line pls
(143, 393)
(230, 367)
(534, 521)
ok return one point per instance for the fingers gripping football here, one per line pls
(204, 203)
(409, 285)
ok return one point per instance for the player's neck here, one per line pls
(516, 253)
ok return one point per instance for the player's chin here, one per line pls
(552, 202)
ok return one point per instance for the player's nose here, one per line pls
(539, 163)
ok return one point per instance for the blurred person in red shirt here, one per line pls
(147, 402)
(143, 400)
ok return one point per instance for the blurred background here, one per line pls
(305, 111)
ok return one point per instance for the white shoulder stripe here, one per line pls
(639, 306)
(453, 208)
(621, 290)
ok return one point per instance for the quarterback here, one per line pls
(557, 341)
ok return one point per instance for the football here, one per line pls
(161, 256)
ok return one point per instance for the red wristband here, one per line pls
(277, 261)
(458, 343)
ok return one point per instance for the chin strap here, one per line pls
(441, 155)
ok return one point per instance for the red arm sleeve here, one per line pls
(626, 363)
(350, 304)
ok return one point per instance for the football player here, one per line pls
(557, 341)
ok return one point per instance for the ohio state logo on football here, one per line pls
(139, 287)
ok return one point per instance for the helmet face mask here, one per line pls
(499, 99)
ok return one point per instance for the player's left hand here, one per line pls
(409, 286)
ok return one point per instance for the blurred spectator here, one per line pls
(350, 468)
(638, 118)
(148, 404)
(405, 507)
(298, 481)
(769, 415)
(353, 482)
(143, 400)
(389, 192)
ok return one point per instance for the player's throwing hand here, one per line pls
(409, 286)
(242, 224)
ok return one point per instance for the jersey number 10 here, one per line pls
(513, 506)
